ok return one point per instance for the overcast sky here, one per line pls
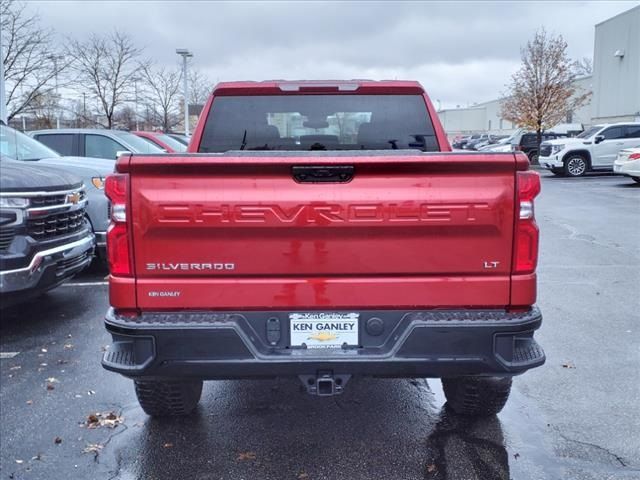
(462, 52)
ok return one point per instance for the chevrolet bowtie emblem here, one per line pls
(73, 198)
(323, 336)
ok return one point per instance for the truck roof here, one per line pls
(280, 87)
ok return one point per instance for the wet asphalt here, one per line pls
(577, 417)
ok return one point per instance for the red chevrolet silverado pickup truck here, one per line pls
(322, 230)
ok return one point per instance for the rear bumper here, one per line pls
(222, 345)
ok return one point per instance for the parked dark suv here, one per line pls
(527, 142)
(45, 237)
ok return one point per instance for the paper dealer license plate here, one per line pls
(323, 329)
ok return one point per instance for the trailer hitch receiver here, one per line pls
(324, 383)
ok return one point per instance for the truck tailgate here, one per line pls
(240, 232)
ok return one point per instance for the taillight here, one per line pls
(118, 248)
(634, 156)
(525, 254)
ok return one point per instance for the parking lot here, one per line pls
(577, 417)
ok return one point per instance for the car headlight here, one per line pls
(556, 148)
(98, 182)
(14, 202)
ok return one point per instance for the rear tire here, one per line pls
(477, 396)
(558, 171)
(575, 166)
(533, 158)
(168, 398)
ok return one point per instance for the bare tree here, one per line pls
(45, 109)
(541, 93)
(125, 118)
(106, 66)
(583, 66)
(162, 94)
(31, 64)
(200, 87)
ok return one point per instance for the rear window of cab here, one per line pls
(318, 122)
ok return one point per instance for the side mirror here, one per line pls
(598, 138)
(122, 152)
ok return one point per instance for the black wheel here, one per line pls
(558, 171)
(168, 398)
(575, 166)
(478, 396)
(533, 158)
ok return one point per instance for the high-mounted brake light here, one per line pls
(525, 254)
(118, 250)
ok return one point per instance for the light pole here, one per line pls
(55, 59)
(3, 100)
(135, 93)
(184, 53)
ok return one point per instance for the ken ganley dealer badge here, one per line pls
(323, 329)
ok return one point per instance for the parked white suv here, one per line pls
(595, 149)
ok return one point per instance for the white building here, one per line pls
(486, 117)
(616, 69)
(615, 84)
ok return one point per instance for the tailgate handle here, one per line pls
(323, 173)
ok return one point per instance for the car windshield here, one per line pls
(318, 122)
(17, 145)
(181, 138)
(172, 142)
(137, 144)
(590, 132)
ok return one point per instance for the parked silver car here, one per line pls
(93, 142)
(18, 146)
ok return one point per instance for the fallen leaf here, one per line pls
(104, 348)
(516, 455)
(303, 476)
(107, 419)
(68, 346)
(17, 367)
(93, 448)
(29, 402)
(43, 350)
(53, 380)
(62, 362)
(568, 365)
(69, 336)
(43, 364)
(37, 457)
(50, 386)
(19, 462)
(168, 445)
(246, 456)
(57, 440)
(91, 392)
(431, 468)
